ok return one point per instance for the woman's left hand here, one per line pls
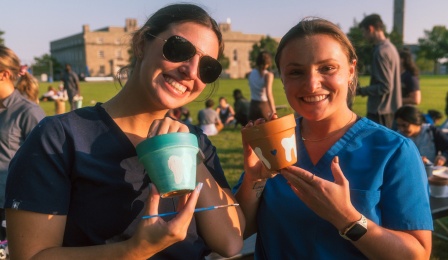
(329, 200)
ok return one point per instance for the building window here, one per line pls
(101, 54)
(235, 55)
(100, 40)
(102, 70)
(118, 54)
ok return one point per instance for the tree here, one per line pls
(2, 41)
(46, 64)
(396, 38)
(225, 62)
(266, 44)
(363, 48)
(434, 45)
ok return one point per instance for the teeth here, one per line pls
(314, 98)
(180, 88)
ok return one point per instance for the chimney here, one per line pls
(131, 25)
(85, 28)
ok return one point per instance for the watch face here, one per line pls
(356, 232)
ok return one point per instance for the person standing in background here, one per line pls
(410, 83)
(71, 84)
(384, 91)
(18, 116)
(262, 103)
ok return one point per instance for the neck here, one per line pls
(319, 132)
(6, 89)
(379, 37)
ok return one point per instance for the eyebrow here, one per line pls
(296, 64)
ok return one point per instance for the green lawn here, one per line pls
(228, 142)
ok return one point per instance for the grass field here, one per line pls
(228, 142)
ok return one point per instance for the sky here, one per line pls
(29, 25)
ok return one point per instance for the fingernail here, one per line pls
(336, 159)
(200, 186)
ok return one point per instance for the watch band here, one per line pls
(356, 230)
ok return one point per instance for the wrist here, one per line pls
(355, 230)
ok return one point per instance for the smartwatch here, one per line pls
(356, 230)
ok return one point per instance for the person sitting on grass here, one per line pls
(48, 96)
(209, 120)
(225, 112)
(431, 142)
(242, 106)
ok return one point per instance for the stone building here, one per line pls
(96, 53)
(102, 52)
(237, 48)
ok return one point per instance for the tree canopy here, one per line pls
(434, 45)
(2, 41)
(362, 47)
(46, 64)
(265, 44)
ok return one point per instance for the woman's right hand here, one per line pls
(253, 167)
(155, 234)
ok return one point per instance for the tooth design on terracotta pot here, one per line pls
(290, 146)
(177, 164)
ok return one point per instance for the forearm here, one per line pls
(378, 89)
(272, 104)
(222, 229)
(414, 98)
(382, 243)
(120, 250)
(409, 101)
(248, 195)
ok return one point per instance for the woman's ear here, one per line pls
(352, 70)
(5, 74)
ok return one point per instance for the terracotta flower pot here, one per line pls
(274, 142)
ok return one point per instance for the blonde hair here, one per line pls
(28, 86)
(9, 61)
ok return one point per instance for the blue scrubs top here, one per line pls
(388, 185)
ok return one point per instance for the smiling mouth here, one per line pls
(312, 99)
(176, 86)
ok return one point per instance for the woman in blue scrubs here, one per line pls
(358, 190)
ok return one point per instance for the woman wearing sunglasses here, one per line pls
(77, 190)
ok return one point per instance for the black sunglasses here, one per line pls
(179, 49)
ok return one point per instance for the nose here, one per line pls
(190, 67)
(312, 80)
